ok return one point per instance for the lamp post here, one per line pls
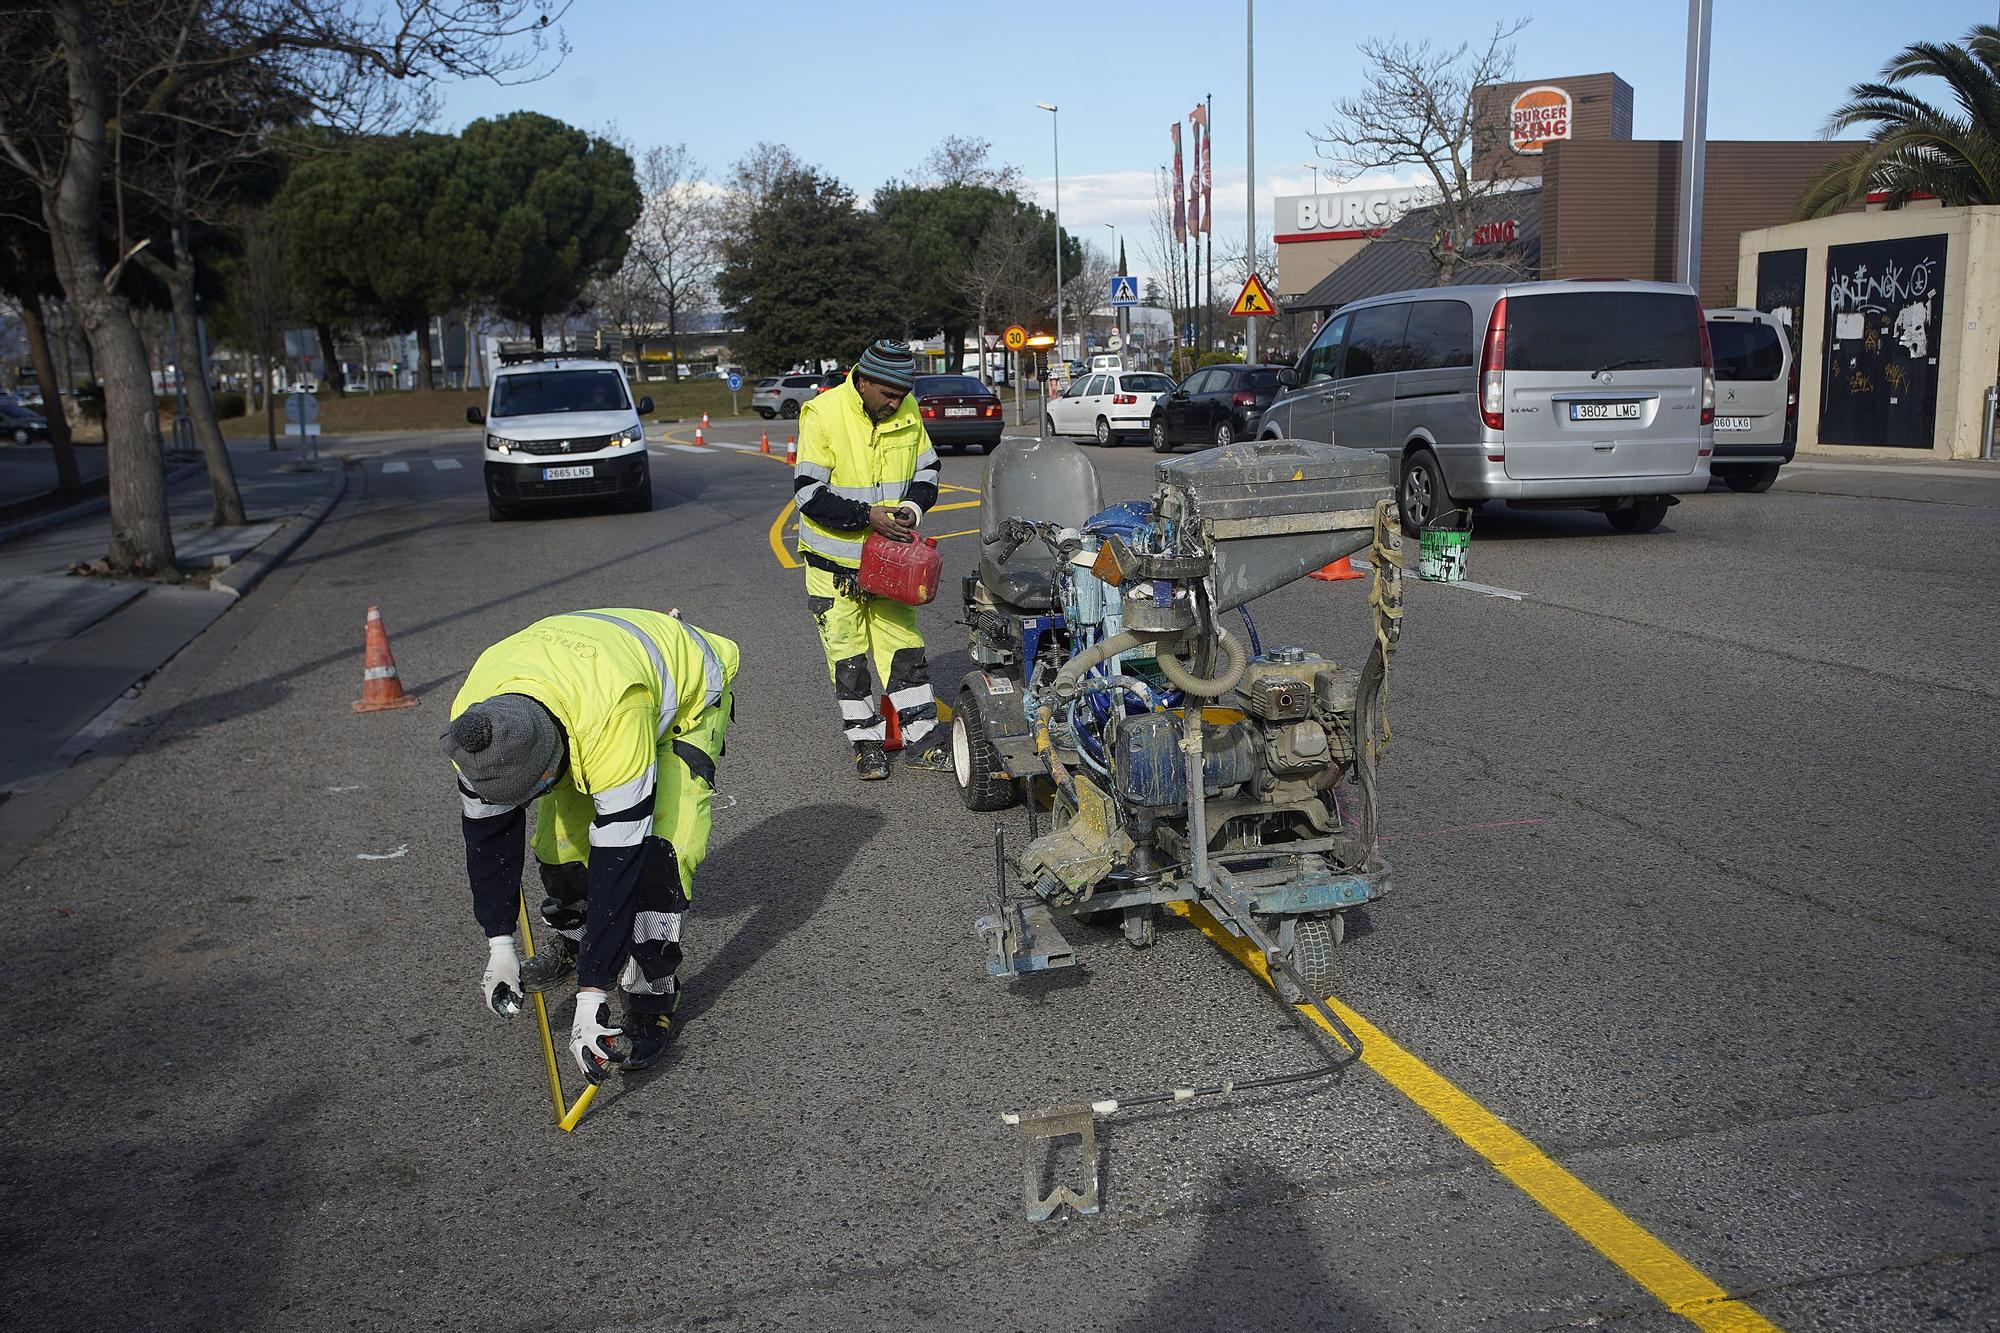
(1313, 167)
(1055, 144)
(1118, 312)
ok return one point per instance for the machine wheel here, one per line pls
(1224, 436)
(1422, 496)
(1313, 941)
(1142, 925)
(1755, 480)
(1641, 517)
(790, 410)
(1162, 442)
(1105, 439)
(494, 513)
(974, 760)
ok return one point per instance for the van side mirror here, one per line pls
(645, 405)
(1289, 378)
(475, 415)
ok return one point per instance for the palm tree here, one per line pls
(1915, 148)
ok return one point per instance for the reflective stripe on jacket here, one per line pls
(843, 452)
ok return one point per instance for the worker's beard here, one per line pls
(878, 415)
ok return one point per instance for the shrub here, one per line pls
(1219, 359)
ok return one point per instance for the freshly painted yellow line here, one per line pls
(1646, 1259)
(786, 560)
(566, 1116)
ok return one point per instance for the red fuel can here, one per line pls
(905, 572)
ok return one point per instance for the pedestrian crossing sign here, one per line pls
(1124, 289)
(1253, 299)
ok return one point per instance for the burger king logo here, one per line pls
(1537, 118)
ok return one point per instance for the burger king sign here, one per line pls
(1539, 116)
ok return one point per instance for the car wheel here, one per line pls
(21, 437)
(1049, 428)
(1104, 437)
(1162, 442)
(1422, 497)
(766, 413)
(790, 409)
(1641, 517)
(985, 446)
(494, 513)
(1755, 480)
(974, 761)
(1225, 434)
(642, 503)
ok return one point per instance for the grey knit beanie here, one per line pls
(890, 363)
(506, 748)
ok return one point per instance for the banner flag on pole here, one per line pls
(1180, 200)
(1204, 177)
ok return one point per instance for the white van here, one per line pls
(561, 428)
(1568, 394)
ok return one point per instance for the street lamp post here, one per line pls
(1055, 143)
(1118, 312)
(1313, 167)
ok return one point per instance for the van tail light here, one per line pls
(1792, 392)
(1493, 369)
(1707, 369)
(1124, 399)
(1244, 399)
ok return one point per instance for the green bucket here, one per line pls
(1442, 554)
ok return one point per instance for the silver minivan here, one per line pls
(1756, 397)
(1571, 394)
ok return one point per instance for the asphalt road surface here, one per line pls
(1695, 852)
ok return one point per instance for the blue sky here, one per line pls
(864, 90)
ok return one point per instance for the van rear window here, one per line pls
(1591, 331)
(1746, 351)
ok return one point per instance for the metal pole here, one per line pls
(1986, 426)
(1250, 164)
(1055, 144)
(1694, 144)
(1208, 221)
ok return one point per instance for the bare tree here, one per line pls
(1088, 289)
(1423, 109)
(629, 302)
(74, 73)
(677, 241)
(1165, 255)
(1001, 280)
(261, 304)
(959, 160)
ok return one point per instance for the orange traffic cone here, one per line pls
(1339, 569)
(791, 451)
(697, 434)
(892, 726)
(381, 687)
(763, 442)
(704, 421)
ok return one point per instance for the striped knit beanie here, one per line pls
(889, 363)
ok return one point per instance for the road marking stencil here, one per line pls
(445, 464)
(394, 466)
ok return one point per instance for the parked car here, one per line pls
(1108, 407)
(781, 397)
(1214, 406)
(21, 425)
(1578, 394)
(959, 412)
(1756, 397)
(561, 428)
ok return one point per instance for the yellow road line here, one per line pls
(777, 535)
(1642, 1256)
(566, 1116)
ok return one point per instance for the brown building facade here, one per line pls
(1610, 209)
(1537, 114)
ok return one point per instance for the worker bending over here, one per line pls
(866, 465)
(615, 720)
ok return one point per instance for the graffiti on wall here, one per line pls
(1884, 320)
(1781, 288)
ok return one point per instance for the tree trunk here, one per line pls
(954, 349)
(270, 406)
(674, 338)
(535, 328)
(424, 367)
(142, 541)
(227, 510)
(67, 477)
(336, 374)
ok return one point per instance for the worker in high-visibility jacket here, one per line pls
(866, 465)
(614, 719)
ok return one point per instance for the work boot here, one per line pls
(646, 1037)
(554, 961)
(870, 764)
(934, 757)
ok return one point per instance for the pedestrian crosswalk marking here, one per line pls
(444, 464)
(396, 466)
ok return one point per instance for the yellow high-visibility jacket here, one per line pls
(848, 462)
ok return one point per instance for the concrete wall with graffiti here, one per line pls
(1896, 318)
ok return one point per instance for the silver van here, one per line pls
(1756, 397)
(1550, 395)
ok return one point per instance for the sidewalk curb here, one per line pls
(84, 510)
(267, 555)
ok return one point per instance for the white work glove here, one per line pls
(590, 1035)
(501, 986)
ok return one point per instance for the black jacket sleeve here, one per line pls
(824, 507)
(493, 858)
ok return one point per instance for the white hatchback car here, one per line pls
(1108, 405)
